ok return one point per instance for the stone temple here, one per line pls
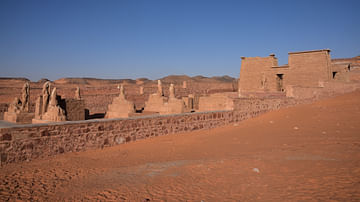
(308, 70)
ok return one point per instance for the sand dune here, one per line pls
(308, 152)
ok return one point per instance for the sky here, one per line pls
(134, 39)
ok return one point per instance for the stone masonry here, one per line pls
(305, 69)
(27, 142)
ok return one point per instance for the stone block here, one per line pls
(75, 109)
(22, 117)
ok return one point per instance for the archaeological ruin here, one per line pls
(18, 111)
(106, 113)
(120, 107)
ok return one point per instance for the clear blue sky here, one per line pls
(131, 39)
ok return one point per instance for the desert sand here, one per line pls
(308, 152)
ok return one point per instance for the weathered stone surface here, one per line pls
(160, 90)
(75, 109)
(215, 102)
(18, 111)
(141, 90)
(45, 97)
(21, 117)
(25, 97)
(34, 141)
(305, 69)
(155, 103)
(184, 84)
(120, 107)
(77, 93)
(54, 112)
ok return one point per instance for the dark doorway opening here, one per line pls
(279, 79)
(334, 74)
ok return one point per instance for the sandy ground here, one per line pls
(306, 153)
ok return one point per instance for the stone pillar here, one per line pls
(172, 91)
(38, 107)
(122, 94)
(160, 90)
(239, 91)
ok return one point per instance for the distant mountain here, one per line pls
(178, 79)
(92, 81)
(175, 79)
(15, 79)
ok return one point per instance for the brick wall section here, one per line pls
(27, 142)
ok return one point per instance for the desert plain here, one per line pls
(309, 152)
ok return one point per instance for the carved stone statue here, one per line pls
(21, 105)
(77, 93)
(122, 94)
(54, 111)
(25, 97)
(18, 111)
(45, 97)
(120, 107)
(15, 106)
(160, 90)
(53, 99)
(172, 91)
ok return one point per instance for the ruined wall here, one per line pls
(340, 72)
(330, 89)
(309, 68)
(26, 142)
(221, 101)
(98, 96)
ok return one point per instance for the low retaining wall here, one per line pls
(27, 142)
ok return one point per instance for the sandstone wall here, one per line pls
(330, 89)
(253, 70)
(75, 109)
(26, 142)
(308, 69)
